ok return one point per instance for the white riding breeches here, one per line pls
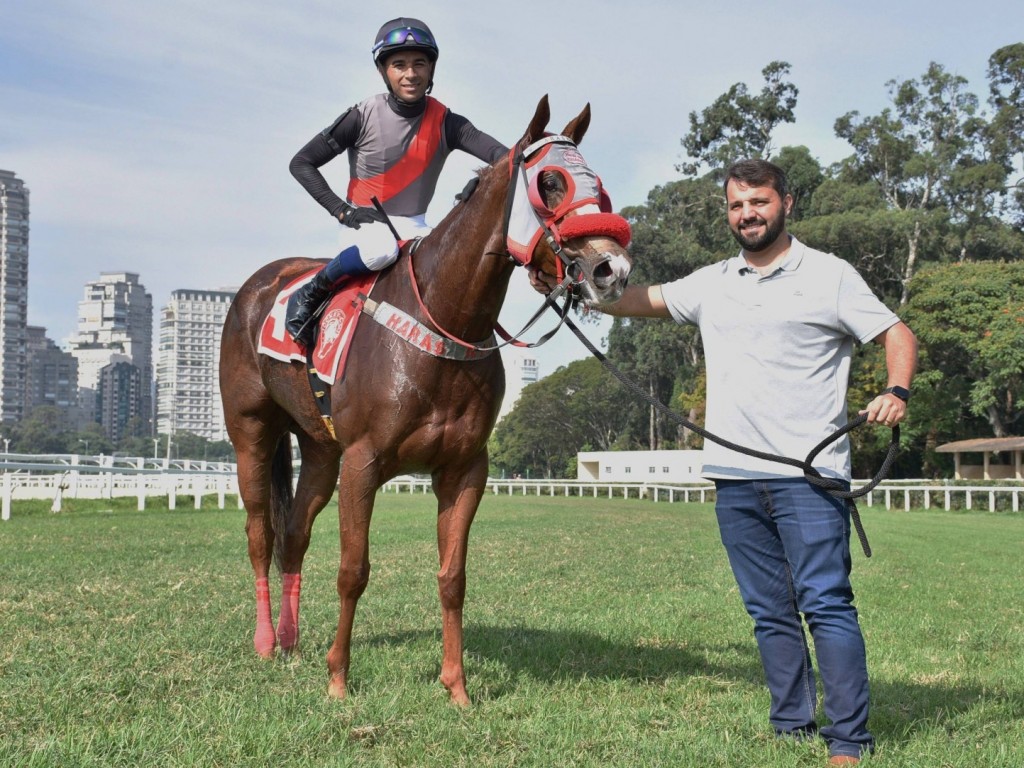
(377, 246)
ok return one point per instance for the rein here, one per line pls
(562, 313)
(830, 485)
(440, 329)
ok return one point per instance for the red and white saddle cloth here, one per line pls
(338, 324)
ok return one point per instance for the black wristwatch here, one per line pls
(901, 392)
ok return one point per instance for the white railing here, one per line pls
(903, 494)
(559, 488)
(991, 497)
(70, 476)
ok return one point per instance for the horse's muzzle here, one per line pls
(606, 277)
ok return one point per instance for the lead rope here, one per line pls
(831, 486)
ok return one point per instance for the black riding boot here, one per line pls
(299, 320)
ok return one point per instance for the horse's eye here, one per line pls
(552, 186)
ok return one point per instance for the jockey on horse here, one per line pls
(397, 143)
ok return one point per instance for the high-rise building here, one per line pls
(51, 377)
(118, 398)
(528, 370)
(14, 199)
(188, 382)
(115, 324)
(520, 369)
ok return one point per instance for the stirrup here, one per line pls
(306, 334)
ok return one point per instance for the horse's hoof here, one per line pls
(287, 636)
(336, 688)
(264, 643)
(289, 645)
(459, 697)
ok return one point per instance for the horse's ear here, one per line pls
(578, 126)
(538, 123)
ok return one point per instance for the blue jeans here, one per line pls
(789, 547)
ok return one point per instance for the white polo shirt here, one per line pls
(777, 350)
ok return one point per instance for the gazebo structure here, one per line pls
(987, 446)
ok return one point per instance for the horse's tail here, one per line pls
(281, 494)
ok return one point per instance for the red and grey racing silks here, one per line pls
(399, 159)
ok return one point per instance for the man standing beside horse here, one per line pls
(397, 143)
(778, 323)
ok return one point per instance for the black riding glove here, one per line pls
(354, 217)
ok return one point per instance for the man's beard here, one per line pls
(758, 243)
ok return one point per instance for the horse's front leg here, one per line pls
(356, 491)
(458, 495)
(318, 478)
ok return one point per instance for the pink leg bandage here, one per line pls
(288, 619)
(263, 640)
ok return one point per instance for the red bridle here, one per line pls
(584, 211)
(571, 218)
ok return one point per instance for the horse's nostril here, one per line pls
(603, 271)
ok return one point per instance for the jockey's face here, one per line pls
(408, 74)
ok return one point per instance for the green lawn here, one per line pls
(598, 633)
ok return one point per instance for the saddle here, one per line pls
(336, 327)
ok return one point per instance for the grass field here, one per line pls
(598, 633)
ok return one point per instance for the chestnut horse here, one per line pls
(399, 409)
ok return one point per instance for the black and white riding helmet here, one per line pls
(404, 34)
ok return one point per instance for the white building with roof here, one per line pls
(640, 466)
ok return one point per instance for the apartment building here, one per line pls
(14, 212)
(521, 370)
(115, 324)
(118, 399)
(51, 376)
(188, 386)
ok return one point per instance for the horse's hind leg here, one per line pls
(458, 496)
(255, 445)
(318, 479)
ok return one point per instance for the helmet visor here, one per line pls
(405, 35)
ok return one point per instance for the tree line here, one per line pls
(45, 431)
(928, 206)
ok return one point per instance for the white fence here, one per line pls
(891, 494)
(993, 498)
(69, 476)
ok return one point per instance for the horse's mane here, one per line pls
(463, 197)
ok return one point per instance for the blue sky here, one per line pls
(155, 136)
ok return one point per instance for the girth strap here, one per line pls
(321, 392)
